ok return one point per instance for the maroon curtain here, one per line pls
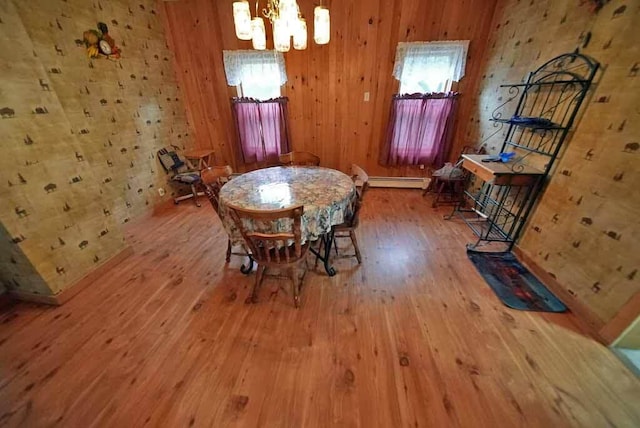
(419, 130)
(262, 128)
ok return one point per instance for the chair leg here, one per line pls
(228, 250)
(335, 245)
(439, 190)
(253, 298)
(354, 241)
(295, 288)
(194, 191)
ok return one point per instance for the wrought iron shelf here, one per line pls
(553, 126)
(546, 82)
(482, 227)
(546, 104)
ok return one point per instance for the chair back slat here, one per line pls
(300, 158)
(271, 246)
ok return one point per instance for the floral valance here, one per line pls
(249, 66)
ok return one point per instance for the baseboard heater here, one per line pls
(400, 182)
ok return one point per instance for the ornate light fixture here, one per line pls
(286, 21)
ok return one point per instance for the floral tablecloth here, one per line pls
(326, 195)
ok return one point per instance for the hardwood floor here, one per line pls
(413, 336)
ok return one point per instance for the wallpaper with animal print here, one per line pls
(585, 229)
(79, 135)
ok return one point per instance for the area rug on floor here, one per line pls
(513, 283)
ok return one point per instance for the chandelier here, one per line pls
(286, 21)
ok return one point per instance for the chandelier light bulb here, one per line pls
(259, 35)
(321, 25)
(242, 19)
(300, 35)
(281, 35)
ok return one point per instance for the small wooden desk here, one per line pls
(200, 159)
(500, 173)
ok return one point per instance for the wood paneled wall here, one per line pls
(326, 85)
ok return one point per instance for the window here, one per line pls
(427, 67)
(259, 112)
(255, 74)
(419, 129)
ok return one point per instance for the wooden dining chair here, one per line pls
(213, 178)
(279, 248)
(300, 158)
(347, 229)
(360, 179)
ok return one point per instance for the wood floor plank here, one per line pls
(412, 337)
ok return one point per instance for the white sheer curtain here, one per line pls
(255, 70)
(430, 66)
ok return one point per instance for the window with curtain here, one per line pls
(425, 67)
(420, 125)
(260, 113)
(256, 74)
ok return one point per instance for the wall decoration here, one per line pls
(100, 43)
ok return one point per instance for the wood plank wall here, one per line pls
(326, 84)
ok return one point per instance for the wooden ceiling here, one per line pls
(326, 84)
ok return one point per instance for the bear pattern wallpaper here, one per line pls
(80, 135)
(584, 230)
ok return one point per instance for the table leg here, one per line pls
(327, 241)
(249, 267)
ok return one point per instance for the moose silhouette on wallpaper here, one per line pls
(60, 270)
(27, 140)
(40, 110)
(76, 179)
(7, 112)
(51, 187)
(82, 245)
(21, 212)
(612, 234)
(18, 239)
(44, 85)
(586, 221)
(631, 147)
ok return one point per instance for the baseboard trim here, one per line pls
(400, 182)
(69, 292)
(612, 330)
(587, 319)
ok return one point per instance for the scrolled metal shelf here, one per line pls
(553, 126)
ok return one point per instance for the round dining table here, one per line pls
(326, 195)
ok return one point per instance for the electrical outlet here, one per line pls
(161, 191)
(421, 166)
(366, 97)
